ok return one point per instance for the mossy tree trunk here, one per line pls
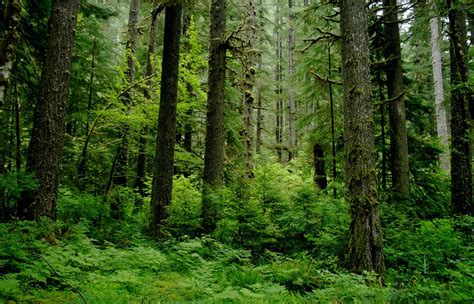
(47, 136)
(248, 86)
(396, 105)
(166, 136)
(215, 133)
(461, 170)
(365, 245)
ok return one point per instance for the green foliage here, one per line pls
(11, 186)
(431, 261)
(185, 209)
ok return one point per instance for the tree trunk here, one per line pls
(333, 131)
(320, 177)
(142, 142)
(165, 140)
(47, 136)
(249, 83)
(278, 80)
(9, 43)
(121, 170)
(441, 120)
(215, 133)
(291, 91)
(17, 135)
(258, 141)
(365, 244)
(395, 90)
(81, 168)
(380, 85)
(461, 170)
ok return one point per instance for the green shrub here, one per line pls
(185, 209)
(12, 184)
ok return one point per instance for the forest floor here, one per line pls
(50, 263)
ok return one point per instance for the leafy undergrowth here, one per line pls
(49, 262)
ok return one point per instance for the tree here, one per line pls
(437, 63)
(121, 169)
(291, 68)
(165, 139)
(279, 80)
(396, 104)
(47, 136)
(258, 140)
(9, 43)
(8, 46)
(248, 85)
(142, 155)
(461, 168)
(214, 149)
(365, 245)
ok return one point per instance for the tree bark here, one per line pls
(248, 87)
(461, 170)
(10, 39)
(166, 136)
(397, 115)
(437, 63)
(121, 170)
(291, 92)
(215, 133)
(258, 141)
(47, 136)
(365, 244)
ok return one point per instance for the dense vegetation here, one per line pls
(266, 167)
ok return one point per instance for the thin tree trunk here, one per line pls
(142, 142)
(437, 63)
(121, 170)
(188, 127)
(395, 89)
(278, 80)
(215, 133)
(17, 135)
(10, 39)
(81, 168)
(365, 232)
(333, 131)
(248, 87)
(166, 136)
(291, 92)
(461, 170)
(47, 136)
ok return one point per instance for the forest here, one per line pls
(236, 151)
